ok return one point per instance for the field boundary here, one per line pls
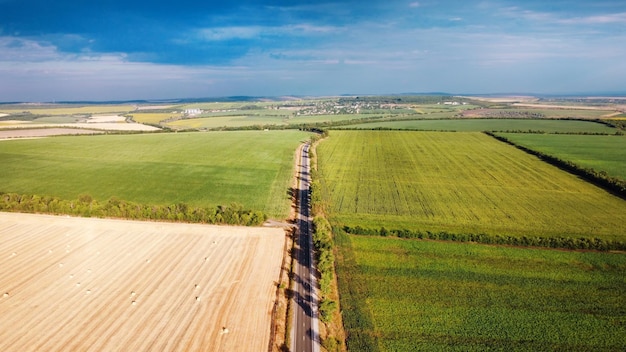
(610, 184)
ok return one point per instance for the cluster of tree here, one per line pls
(402, 99)
(612, 184)
(86, 206)
(550, 242)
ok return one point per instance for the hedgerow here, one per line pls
(86, 206)
(526, 241)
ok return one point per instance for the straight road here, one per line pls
(304, 335)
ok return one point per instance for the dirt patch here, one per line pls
(96, 284)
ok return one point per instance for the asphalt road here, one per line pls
(305, 333)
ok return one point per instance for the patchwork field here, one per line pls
(602, 153)
(412, 295)
(459, 183)
(105, 285)
(478, 125)
(199, 169)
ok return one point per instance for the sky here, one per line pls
(70, 50)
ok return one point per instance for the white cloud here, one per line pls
(414, 4)
(253, 32)
(618, 18)
(229, 33)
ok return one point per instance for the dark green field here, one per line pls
(602, 153)
(200, 169)
(412, 295)
(477, 125)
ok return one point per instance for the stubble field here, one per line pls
(95, 285)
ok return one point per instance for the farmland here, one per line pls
(408, 295)
(602, 153)
(458, 183)
(111, 285)
(478, 125)
(200, 169)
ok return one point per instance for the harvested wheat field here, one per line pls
(78, 284)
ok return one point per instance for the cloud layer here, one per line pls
(75, 50)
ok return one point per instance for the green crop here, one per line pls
(477, 125)
(464, 183)
(414, 295)
(199, 169)
(601, 153)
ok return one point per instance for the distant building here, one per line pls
(191, 112)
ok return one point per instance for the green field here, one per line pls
(478, 125)
(225, 121)
(602, 153)
(200, 169)
(412, 295)
(459, 183)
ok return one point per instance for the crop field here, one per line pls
(414, 295)
(225, 121)
(68, 109)
(76, 284)
(602, 153)
(236, 119)
(478, 125)
(253, 168)
(546, 112)
(151, 117)
(459, 183)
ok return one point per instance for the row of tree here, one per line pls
(612, 184)
(526, 241)
(86, 206)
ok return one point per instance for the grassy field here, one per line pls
(459, 183)
(201, 169)
(553, 113)
(225, 121)
(477, 125)
(602, 153)
(412, 295)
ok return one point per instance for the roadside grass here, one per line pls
(478, 125)
(253, 168)
(602, 153)
(408, 295)
(464, 183)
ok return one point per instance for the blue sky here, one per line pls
(120, 50)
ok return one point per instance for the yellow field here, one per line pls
(77, 284)
(153, 118)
